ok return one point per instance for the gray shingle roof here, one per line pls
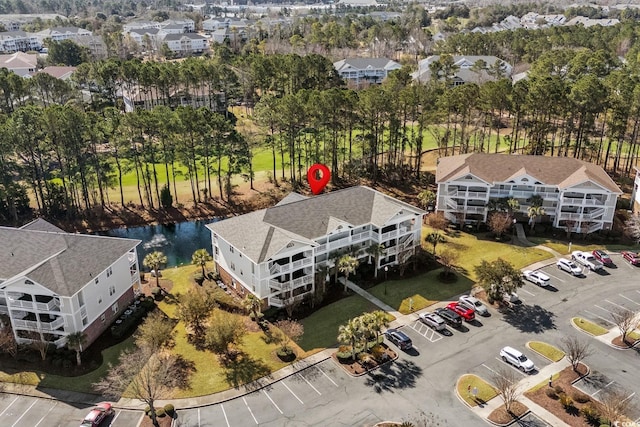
(364, 63)
(561, 171)
(261, 234)
(40, 224)
(62, 262)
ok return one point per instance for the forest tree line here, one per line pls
(66, 146)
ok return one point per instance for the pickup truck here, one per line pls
(587, 259)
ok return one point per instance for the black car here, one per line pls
(398, 338)
(449, 316)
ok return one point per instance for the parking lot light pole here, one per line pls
(386, 271)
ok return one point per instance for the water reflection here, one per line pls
(176, 241)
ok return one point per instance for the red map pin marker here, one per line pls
(318, 177)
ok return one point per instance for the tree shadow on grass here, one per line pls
(529, 318)
(243, 369)
(399, 375)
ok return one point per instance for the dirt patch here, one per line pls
(359, 367)
(572, 414)
(617, 341)
(500, 416)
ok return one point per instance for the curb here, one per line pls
(542, 355)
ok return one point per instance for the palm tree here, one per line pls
(350, 334)
(374, 322)
(435, 238)
(201, 257)
(154, 261)
(347, 264)
(375, 250)
(512, 205)
(536, 200)
(534, 212)
(252, 304)
(426, 198)
(76, 341)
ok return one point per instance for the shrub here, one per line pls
(160, 412)
(156, 292)
(590, 413)
(580, 397)
(551, 393)
(344, 355)
(147, 409)
(169, 409)
(565, 400)
(558, 389)
(199, 278)
(286, 354)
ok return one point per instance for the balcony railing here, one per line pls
(295, 265)
(132, 259)
(51, 326)
(582, 201)
(595, 213)
(475, 209)
(570, 215)
(277, 301)
(291, 284)
(52, 305)
(321, 248)
(45, 326)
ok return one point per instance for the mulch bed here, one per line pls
(163, 421)
(573, 417)
(356, 368)
(617, 341)
(500, 416)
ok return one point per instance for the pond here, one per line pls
(177, 241)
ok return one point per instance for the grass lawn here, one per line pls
(486, 391)
(425, 289)
(321, 327)
(563, 246)
(211, 377)
(472, 249)
(182, 279)
(546, 350)
(589, 327)
(83, 383)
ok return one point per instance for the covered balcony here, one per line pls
(33, 302)
(36, 322)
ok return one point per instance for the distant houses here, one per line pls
(467, 69)
(361, 72)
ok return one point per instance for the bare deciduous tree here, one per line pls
(506, 382)
(39, 344)
(147, 375)
(8, 342)
(616, 403)
(155, 332)
(499, 223)
(437, 221)
(194, 309)
(625, 320)
(632, 228)
(448, 258)
(289, 331)
(575, 350)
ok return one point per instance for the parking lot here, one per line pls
(24, 411)
(287, 398)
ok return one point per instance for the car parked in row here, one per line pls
(517, 359)
(400, 339)
(569, 266)
(603, 257)
(466, 313)
(586, 259)
(632, 257)
(451, 317)
(98, 414)
(433, 321)
(473, 303)
(537, 277)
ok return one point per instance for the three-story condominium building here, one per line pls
(279, 253)
(53, 283)
(576, 195)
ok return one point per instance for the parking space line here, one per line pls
(24, 413)
(270, 399)
(115, 418)
(629, 299)
(617, 305)
(555, 277)
(329, 378)
(7, 408)
(47, 414)
(249, 408)
(599, 390)
(628, 397)
(291, 391)
(490, 369)
(512, 367)
(599, 317)
(433, 335)
(199, 416)
(310, 385)
(223, 413)
(527, 292)
(602, 308)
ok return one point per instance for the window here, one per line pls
(231, 249)
(241, 273)
(112, 290)
(84, 321)
(109, 271)
(217, 252)
(114, 308)
(103, 318)
(80, 299)
(233, 266)
(96, 280)
(100, 299)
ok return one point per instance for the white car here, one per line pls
(537, 277)
(473, 303)
(517, 359)
(569, 266)
(433, 321)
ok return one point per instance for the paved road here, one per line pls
(422, 380)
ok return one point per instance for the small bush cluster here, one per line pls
(551, 393)
(128, 322)
(580, 397)
(565, 400)
(590, 413)
(169, 409)
(156, 292)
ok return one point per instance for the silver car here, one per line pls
(433, 321)
(474, 304)
(569, 266)
(517, 359)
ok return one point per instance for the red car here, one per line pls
(97, 415)
(632, 257)
(466, 313)
(603, 257)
